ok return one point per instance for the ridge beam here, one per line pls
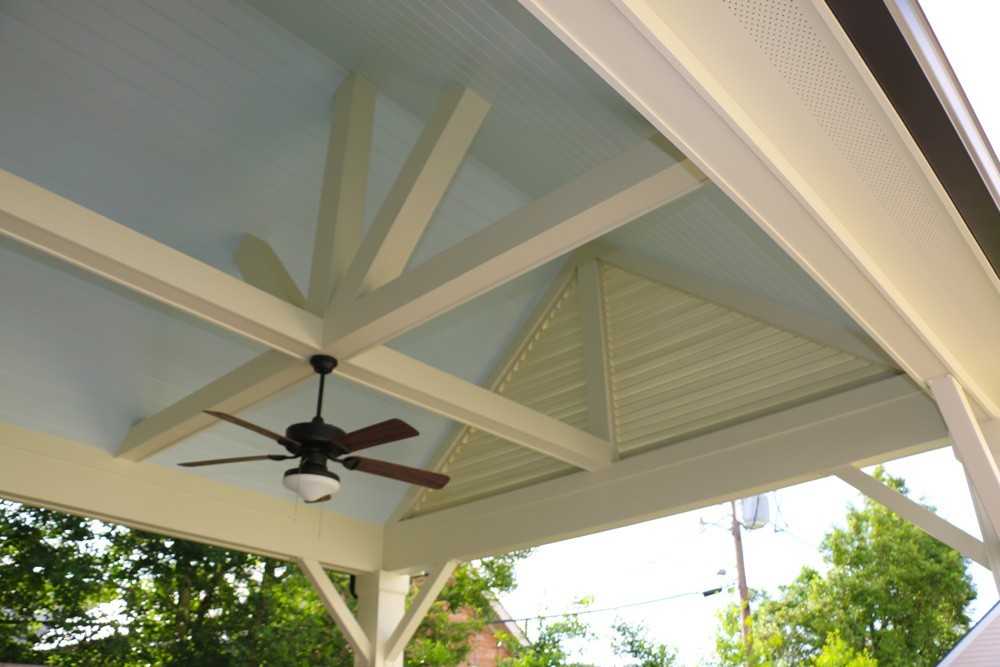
(915, 513)
(337, 608)
(605, 198)
(415, 382)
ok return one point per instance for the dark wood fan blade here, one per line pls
(319, 500)
(432, 480)
(238, 459)
(277, 437)
(390, 430)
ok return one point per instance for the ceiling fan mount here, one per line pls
(315, 443)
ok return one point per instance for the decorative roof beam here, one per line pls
(261, 267)
(38, 218)
(619, 191)
(395, 374)
(345, 184)
(415, 194)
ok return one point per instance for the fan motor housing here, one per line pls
(314, 434)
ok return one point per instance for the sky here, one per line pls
(654, 573)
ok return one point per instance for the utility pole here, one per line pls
(742, 584)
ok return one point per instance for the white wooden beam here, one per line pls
(639, 181)
(855, 343)
(990, 538)
(341, 614)
(970, 444)
(251, 383)
(345, 185)
(915, 513)
(395, 374)
(419, 606)
(43, 220)
(596, 360)
(261, 267)
(415, 194)
(882, 421)
(44, 470)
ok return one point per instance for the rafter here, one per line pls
(597, 365)
(395, 374)
(345, 184)
(415, 194)
(79, 236)
(641, 180)
(605, 198)
(237, 390)
(884, 420)
(261, 267)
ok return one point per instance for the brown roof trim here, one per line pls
(881, 44)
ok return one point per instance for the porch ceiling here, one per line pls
(142, 142)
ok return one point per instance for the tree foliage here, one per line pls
(81, 592)
(893, 595)
(633, 643)
(549, 647)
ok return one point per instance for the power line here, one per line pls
(705, 593)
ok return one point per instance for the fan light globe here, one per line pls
(311, 486)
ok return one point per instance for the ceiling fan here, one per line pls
(315, 442)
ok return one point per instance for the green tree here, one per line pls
(548, 649)
(892, 594)
(52, 573)
(81, 592)
(633, 643)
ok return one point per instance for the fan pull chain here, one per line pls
(319, 526)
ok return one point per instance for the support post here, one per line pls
(381, 608)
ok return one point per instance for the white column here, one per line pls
(381, 606)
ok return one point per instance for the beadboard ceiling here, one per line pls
(196, 123)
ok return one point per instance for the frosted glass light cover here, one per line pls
(309, 486)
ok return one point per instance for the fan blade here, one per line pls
(238, 459)
(432, 480)
(280, 439)
(390, 430)
(319, 500)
